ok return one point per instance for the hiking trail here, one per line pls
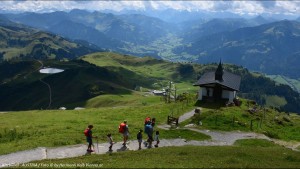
(218, 138)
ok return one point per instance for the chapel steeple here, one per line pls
(219, 72)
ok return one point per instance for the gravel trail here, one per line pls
(218, 138)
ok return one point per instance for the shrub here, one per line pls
(241, 123)
(278, 121)
(60, 143)
(286, 118)
(271, 134)
(246, 115)
(78, 141)
(12, 135)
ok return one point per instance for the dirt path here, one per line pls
(218, 138)
(42, 153)
(186, 116)
(228, 138)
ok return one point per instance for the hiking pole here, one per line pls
(97, 146)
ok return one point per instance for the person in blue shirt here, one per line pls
(149, 132)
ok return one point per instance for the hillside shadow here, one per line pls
(210, 105)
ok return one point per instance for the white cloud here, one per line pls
(250, 7)
(36, 6)
(288, 7)
(239, 7)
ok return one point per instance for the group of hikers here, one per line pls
(124, 130)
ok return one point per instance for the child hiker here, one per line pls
(110, 141)
(89, 137)
(139, 137)
(156, 138)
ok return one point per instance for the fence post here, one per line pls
(261, 119)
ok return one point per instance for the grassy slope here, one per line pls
(294, 83)
(135, 99)
(259, 155)
(56, 128)
(274, 124)
(150, 68)
(18, 41)
(275, 101)
(148, 73)
(78, 83)
(145, 66)
(88, 85)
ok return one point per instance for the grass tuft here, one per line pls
(255, 143)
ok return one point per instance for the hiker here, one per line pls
(110, 141)
(149, 132)
(139, 137)
(89, 137)
(156, 138)
(123, 128)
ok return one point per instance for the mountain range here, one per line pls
(270, 48)
(261, 44)
(105, 30)
(19, 41)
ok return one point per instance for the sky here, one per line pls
(234, 6)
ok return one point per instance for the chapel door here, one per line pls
(218, 92)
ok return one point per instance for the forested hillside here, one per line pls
(111, 73)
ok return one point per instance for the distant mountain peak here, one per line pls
(79, 11)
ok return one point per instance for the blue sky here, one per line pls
(237, 7)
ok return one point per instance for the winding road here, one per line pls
(47, 84)
(50, 94)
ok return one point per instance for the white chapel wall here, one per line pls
(200, 93)
(225, 94)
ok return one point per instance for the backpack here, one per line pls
(86, 132)
(122, 128)
(153, 123)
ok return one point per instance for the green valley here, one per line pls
(90, 80)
